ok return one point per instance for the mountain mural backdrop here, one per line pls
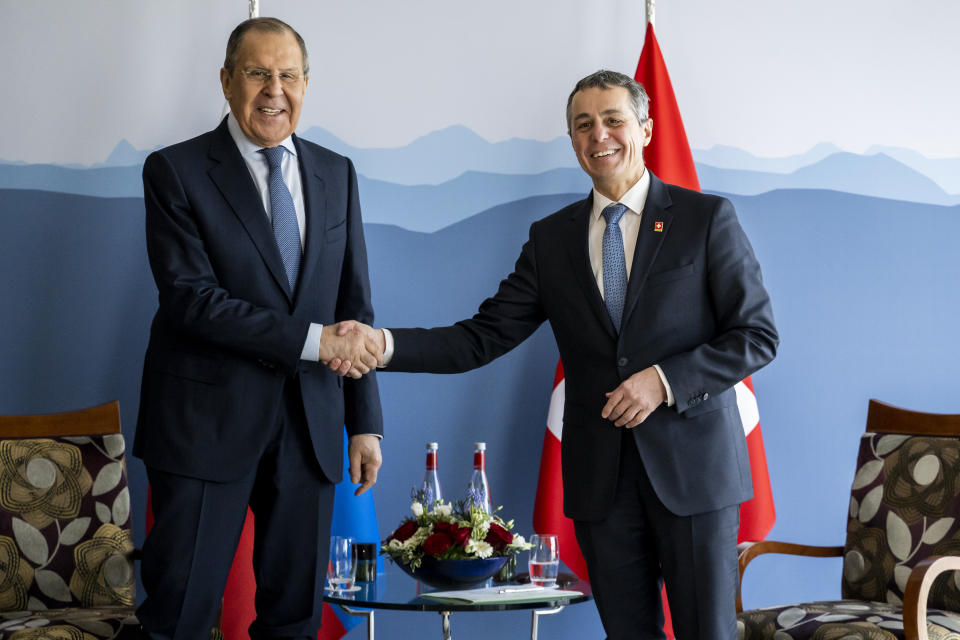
(858, 251)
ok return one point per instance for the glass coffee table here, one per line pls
(397, 591)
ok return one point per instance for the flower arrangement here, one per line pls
(448, 531)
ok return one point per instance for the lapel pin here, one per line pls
(658, 226)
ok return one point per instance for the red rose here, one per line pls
(437, 543)
(498, 537)
(445, 527)
(404, 531)
(461, 536)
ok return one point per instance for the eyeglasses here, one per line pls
(262, 76)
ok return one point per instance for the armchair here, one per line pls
(901, 558)
(65, 540)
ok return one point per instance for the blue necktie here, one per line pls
(614, 263)
(283, 216)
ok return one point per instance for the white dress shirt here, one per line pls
(634, 199)
(260, 172)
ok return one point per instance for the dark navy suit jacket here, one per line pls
(229, 331)
(695, 305)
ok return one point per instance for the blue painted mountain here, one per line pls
(943, 171)
(445, 154)
(727, 157)
(105, 182)
(875, 175)
(429, 208)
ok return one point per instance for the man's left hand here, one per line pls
(636, 398)
(365, 461)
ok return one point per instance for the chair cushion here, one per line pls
(904, 507)
(840, 620)
(65, 536)
(113, 623)
(70, 624)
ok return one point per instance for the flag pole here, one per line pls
(651, 11)
(255, 8)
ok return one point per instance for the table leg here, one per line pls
(445, 624)
(361, 613)
(535, 618)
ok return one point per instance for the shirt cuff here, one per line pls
(666, 385)
(311, 348)
(388, 347)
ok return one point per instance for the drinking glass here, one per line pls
(342, 567)
(544, 560)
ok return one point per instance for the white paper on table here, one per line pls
(502, 594)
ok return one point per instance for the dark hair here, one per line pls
(269, 25)
(605, 79)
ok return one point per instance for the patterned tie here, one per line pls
(614, 263)
(283, 216)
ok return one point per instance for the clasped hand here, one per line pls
(636, 398)
(351, 348)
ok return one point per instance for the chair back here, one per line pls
(904, 505)
(65, 538)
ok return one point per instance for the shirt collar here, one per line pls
(247, 148)
(635, 197)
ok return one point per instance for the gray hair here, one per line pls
(264, 25)
(605, 79)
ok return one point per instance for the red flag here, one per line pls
(669, 157)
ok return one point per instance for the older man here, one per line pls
(658, 308)
(256, 245)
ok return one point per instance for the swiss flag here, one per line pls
(669, 157)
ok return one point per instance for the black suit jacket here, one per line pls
(228, 331)
(695, 305)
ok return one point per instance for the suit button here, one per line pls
(706, 395)
(622, 362)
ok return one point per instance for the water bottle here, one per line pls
(431, 482)
(479, 489)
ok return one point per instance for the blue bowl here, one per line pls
(455, 574)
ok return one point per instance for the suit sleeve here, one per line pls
(363, 413)
(745, 338)
(192, 301)
(501, 323)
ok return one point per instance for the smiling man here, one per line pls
(256, 245)
(658, 308)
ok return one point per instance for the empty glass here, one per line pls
(342, 567)
(544, 560)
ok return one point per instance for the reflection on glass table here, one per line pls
(397, 591)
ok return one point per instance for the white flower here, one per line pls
(443, 509)
(394, 546)
(417, 508)
(480, 548)
(518, 541)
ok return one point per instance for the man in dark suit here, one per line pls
(256, 245)
(658, 308)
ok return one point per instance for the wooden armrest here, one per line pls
(917, 591)
(747, 551)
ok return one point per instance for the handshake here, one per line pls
(351, 348)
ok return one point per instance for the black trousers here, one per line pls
(641, 544)
(188, 553)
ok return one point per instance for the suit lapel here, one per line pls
(232, 178)
(654, 227)
(577, 245)
(315, 202)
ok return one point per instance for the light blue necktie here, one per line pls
(283, 216)
(614, 263)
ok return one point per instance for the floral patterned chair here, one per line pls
(66, 548)
(902, 554)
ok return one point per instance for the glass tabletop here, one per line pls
(396, 590)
